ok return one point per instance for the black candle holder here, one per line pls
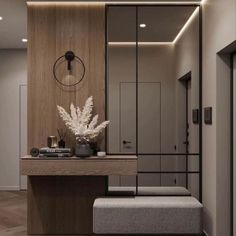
(62, 135)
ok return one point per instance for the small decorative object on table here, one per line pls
(52, 141)
(101, 154)
(34, 152)
(82, 126)
(62, 136)
(95, 148)
(55, 152)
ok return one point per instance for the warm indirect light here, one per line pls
(69, 80)
(112, 2)
(140, 43)
(24, 40)
(186, 25)
(142, 25)
(1, 18)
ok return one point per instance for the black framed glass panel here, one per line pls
(153, 88)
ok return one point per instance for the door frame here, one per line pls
(186, 79)
(232, 125)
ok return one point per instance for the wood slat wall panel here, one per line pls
(52, 30)
(57, 207)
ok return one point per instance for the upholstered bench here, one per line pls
(147, 215)
(148, 191)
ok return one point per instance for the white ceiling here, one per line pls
(13, 27)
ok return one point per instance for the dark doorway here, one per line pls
(186, 82)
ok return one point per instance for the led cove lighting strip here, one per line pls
(140, 43)
(113, 2)
(138, 2)
(189, 21)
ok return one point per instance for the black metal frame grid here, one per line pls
(232, 125)
(136, 6)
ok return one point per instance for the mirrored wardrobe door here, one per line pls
(121, 79)
(168, 92)
(153, 93)
(121, 85)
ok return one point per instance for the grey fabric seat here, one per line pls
(148, 191)
(147, 215)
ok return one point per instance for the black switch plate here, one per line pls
(208, 115)
(195, 116)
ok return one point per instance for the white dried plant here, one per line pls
(80, 123)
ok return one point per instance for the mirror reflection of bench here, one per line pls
(151, 213)
(148, 191)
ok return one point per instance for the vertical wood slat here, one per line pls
(57, 207)
(54, 29)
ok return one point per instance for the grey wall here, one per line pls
(13, 73)
(218, 31)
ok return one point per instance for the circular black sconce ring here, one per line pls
(69, 56)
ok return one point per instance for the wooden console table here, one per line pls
(61, 191)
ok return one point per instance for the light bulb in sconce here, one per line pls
(142, 25)
(69, 79)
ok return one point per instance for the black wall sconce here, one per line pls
(69, 57)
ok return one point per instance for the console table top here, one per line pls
(95, 166)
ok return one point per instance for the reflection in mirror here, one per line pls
(153, 88)
(121, 72)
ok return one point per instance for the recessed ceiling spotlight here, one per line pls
(24, 40)
(142, 25)
(1, 18)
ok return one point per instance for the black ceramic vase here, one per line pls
(83, 150)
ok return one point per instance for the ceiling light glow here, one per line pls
(186, 25)
(113, 2)
(24, 40)
(1, 18)
(142, 25)
(139, 44)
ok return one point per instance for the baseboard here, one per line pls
(9, 188)
(23, 189)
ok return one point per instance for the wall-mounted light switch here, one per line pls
(195, 116)
(208, 115)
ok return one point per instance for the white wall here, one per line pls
(13, 73)
(218, 31)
